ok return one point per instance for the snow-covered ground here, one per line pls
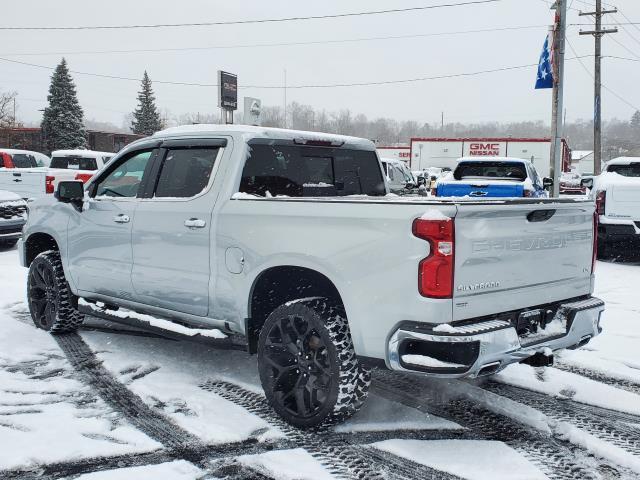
(52, 411)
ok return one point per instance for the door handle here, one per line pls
(122, 218)
(195, 223)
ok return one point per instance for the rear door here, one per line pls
(172, 228)
(521, 254)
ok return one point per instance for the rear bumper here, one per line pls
(619, 230)
(486, 347)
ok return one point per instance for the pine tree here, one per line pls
(635, 121)
(62, 122)
(146, 118)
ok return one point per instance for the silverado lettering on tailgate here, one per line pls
(518, 244)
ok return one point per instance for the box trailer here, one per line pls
(445, 152)
(396, 153)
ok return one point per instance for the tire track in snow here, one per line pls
(556, 458)
(341, 454)
(627, 385)
(609, 425)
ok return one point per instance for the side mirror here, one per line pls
(587, 182)
(410, 185)
(547, 182)
(70, 192)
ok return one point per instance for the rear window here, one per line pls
(631, 170)
(301, 171)
(21, 160)
(492, 170)
(74, 163)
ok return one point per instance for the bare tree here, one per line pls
(7, 104)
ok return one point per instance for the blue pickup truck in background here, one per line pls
(495, 177)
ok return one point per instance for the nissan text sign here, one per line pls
(227, 90)
(484, 149)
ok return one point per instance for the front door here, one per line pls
(100, 235)
(171, 231)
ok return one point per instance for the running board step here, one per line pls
(164, 327)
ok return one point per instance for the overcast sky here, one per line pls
(497, 96)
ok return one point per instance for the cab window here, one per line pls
(125, 179)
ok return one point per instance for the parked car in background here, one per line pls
(617, 195)
(399, 177)
(12, 158)
(84, 162)
(65, 165)
(495, 177)
(287, 241)
(13, 215)
(571, 184)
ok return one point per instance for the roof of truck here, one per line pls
(250, 132)
(623, 161)
(493, 159)
(81, 153)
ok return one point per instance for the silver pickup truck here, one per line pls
(290, 242)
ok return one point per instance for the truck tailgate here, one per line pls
(26, 182)
(624, 201)
(521, 254)
(481, 190)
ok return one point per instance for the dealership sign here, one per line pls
(227, 90)
(485, 149)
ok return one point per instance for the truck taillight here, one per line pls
(596, 219)
(435, 272)
(84, 177)
(528, 193)
(7, 160)
(48, 183)
(601, 202)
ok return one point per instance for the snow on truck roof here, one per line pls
(494, 159)
(81, 153)
(623, 161)
(250, 132)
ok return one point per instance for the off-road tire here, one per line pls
(46, 281)
(349, 380)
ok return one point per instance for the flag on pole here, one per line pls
(545, 71)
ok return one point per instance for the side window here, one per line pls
(125, 180)
(185, 172)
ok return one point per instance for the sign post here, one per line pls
(227, 95)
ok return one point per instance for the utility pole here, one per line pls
(557, 126)
(285, 98)
(598, 33)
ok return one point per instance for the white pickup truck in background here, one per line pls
(617, 195)
(65, 165)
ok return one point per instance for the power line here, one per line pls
(309, 86)
(282, 44)
(264, 20)
(626, 48)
